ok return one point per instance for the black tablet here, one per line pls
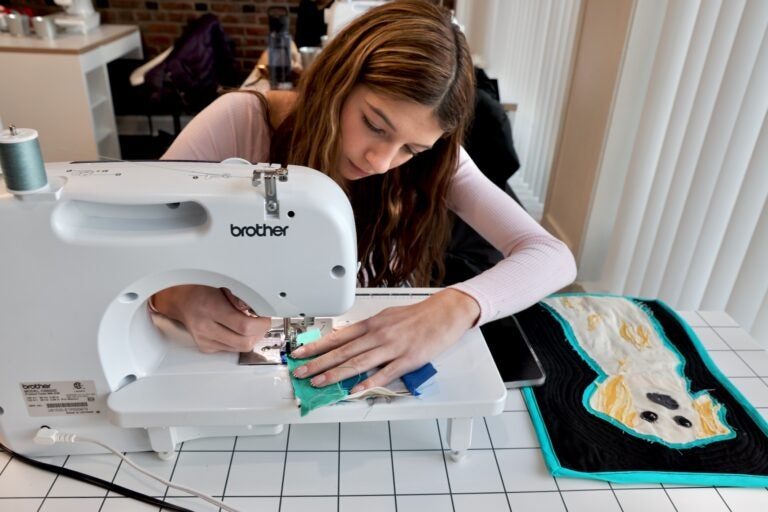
(512, 351)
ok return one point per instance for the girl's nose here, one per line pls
(380, 157)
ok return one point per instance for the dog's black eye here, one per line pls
(649, 416)
(663, 400)
(683, 421)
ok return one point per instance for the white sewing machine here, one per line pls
(79, 16)
(81, 354)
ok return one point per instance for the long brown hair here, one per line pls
(406, 50)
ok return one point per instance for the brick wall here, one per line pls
(162, 21)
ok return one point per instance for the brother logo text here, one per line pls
(258, 230)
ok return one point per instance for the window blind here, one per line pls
(691, 221)
(527, 45)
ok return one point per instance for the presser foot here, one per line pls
(276, 344)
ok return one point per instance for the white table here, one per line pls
(388, 466)
(60, 87)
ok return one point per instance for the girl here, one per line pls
(382, 111)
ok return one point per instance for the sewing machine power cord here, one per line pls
(50, 436)
(90, 479)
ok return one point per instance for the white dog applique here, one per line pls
(642, 388)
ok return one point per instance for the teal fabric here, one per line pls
(309, 396)
(308, 337)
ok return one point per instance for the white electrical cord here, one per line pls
(50, 436)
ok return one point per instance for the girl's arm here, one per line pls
(402, 339)
(535, 263)
(232, 126)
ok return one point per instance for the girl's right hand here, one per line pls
(217, 320)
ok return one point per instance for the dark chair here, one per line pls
(201, 62)
(183, 80)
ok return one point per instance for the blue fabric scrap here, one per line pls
(418, 377)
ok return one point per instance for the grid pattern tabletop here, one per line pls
(391, 466)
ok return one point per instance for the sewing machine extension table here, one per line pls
(467, 385)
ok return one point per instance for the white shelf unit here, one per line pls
(61, 89)
(102, 114)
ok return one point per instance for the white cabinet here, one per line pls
(60, 88)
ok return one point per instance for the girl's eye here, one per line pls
(381, 131)
(374, 129)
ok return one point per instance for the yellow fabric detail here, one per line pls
(639, 337)
(709, 420)
(592, 321)
(614, 399)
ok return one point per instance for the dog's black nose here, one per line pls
(663, 400)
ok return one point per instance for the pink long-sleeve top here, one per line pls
(535, 263)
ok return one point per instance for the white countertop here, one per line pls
(65, 42)
(393, 466)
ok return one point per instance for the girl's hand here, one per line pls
(397, 340)
(217, 320)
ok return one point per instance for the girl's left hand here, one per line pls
(397, 340)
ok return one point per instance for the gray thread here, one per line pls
(23, 167)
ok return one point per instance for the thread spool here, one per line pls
(22, 161)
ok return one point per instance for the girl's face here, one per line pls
(379, 133)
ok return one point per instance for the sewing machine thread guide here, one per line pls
(270, 174)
